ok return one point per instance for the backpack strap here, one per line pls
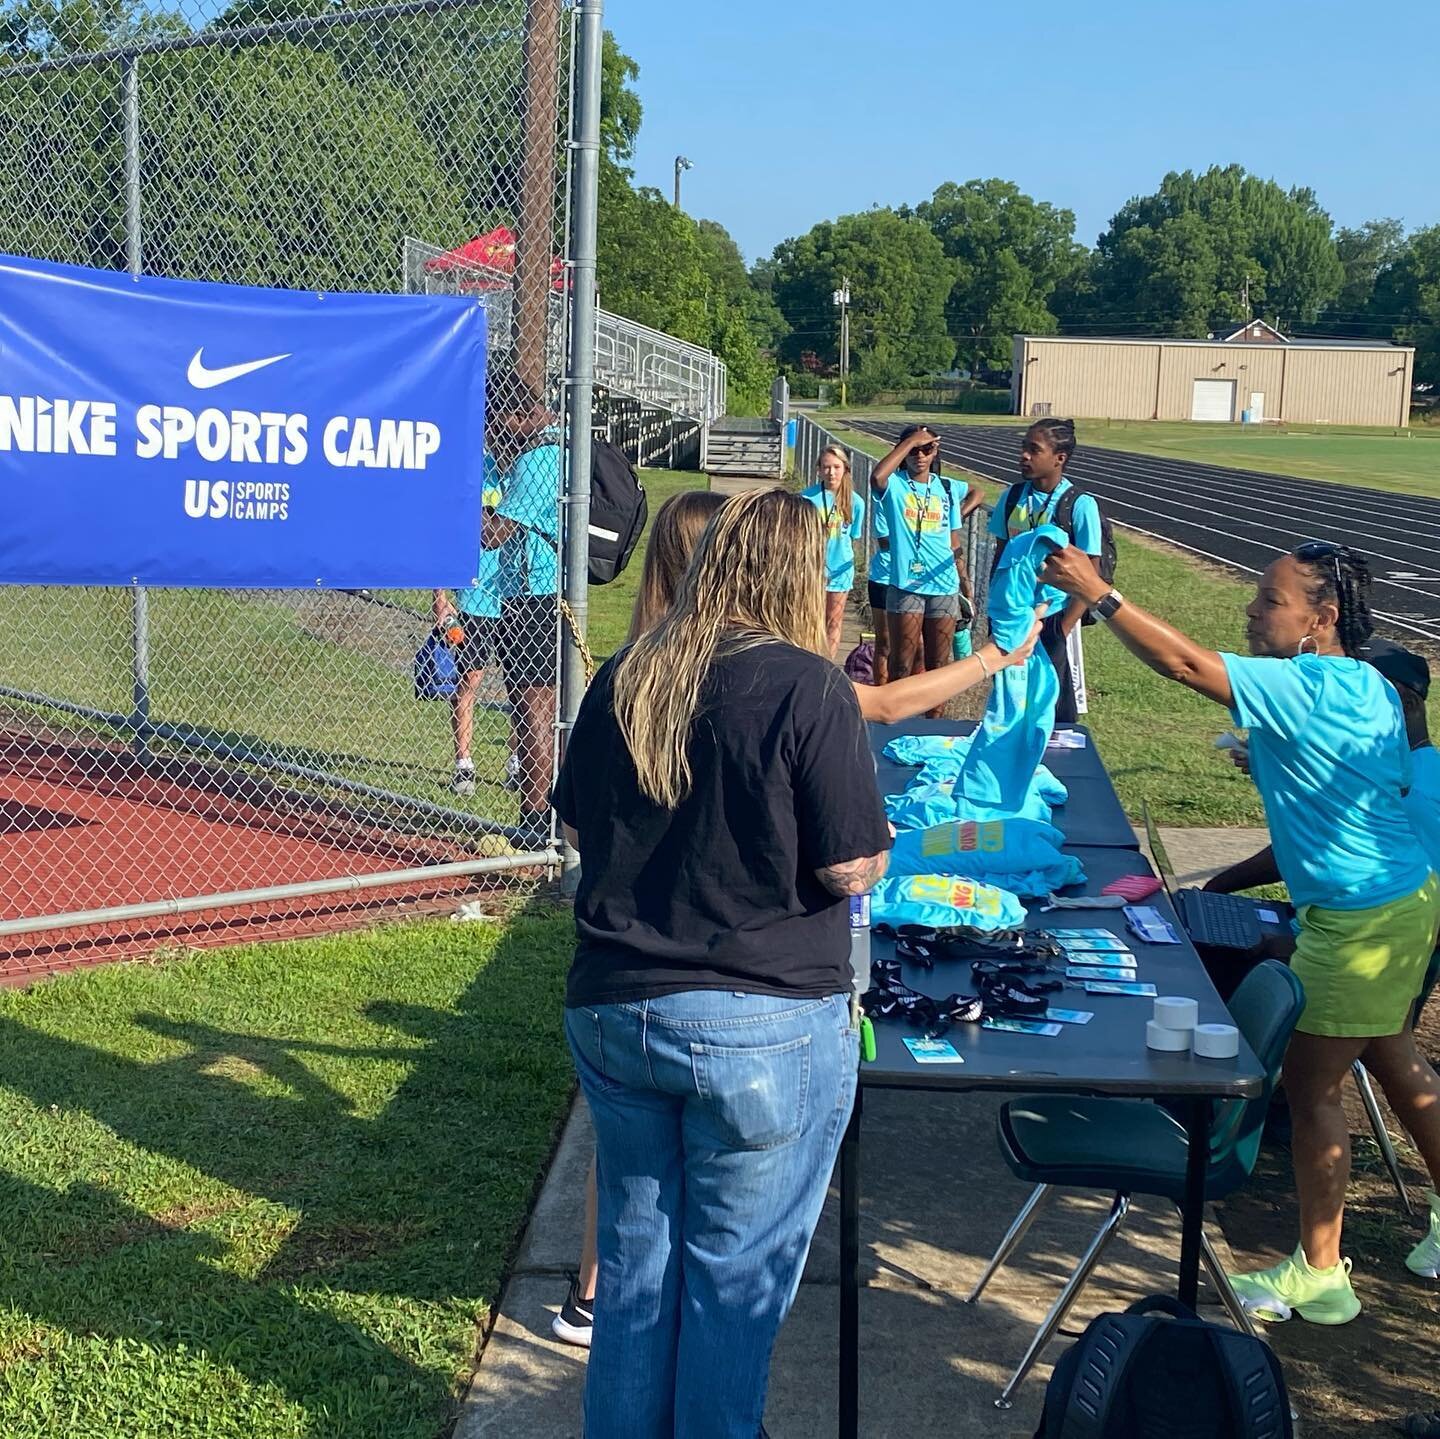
(1109, 1346)
(1259, 1404)
(1012, 498)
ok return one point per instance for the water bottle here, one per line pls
(860, 942)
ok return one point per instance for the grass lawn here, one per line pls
(1406, 461)
(269, 1193)
(1157, 738)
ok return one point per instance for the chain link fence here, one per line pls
(203, 765)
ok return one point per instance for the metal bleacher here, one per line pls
(657, 394)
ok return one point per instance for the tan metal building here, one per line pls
(1248, 369)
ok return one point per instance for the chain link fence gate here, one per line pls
(199, 766)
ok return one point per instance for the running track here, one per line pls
(1242, 518)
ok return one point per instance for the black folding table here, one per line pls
(1092, 815)
(1107, 1056)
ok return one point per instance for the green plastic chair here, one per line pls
(1372, 1105)
(1132, 1146)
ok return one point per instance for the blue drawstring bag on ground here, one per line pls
(943, 901)
(1021, 855)
(434, 672)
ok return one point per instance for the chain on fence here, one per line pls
(160, 748)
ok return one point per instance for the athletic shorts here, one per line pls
(478, 648)
(525, 642)
(879, 597)
(932, 607)
(1362, 968)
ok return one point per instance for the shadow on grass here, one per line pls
(348, 1258)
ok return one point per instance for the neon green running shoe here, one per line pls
(1424, 1259)
(1323, 1296)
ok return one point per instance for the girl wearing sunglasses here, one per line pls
(924, 518)
(1329, 755)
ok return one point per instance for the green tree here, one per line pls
(1010, 253)
(900, 280)
(1364, 252)
(1180, 261)
(1407, 293)
(731, 282)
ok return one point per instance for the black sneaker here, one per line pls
(572, 1325)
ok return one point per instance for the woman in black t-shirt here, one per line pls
(721, 792)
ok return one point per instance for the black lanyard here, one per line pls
(1049, 507)
(827, 508)
(922, 507)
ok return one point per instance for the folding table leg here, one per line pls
(1192, 1212)
(850, 1275)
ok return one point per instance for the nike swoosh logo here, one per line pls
(204, 378)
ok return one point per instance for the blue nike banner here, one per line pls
(165, 432)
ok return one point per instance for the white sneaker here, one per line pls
(1424, 1259)
(463, 783)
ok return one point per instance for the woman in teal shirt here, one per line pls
(1329, 755)
(842, 512)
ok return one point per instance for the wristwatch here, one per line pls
(1106, 608)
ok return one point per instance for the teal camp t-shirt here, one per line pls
(839, 537)
(1034, 508)
(1422, 804)
(880, 560)
(1329, 756)
(482, 599)
(919, 519)
(530, 560)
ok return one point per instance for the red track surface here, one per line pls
(84, 829)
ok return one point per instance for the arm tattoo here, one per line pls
(854, 876)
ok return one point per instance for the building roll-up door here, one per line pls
(1213, 400)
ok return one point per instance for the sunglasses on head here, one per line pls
(1321, 552)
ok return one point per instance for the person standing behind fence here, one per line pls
(477, 611)
(720, 789)
(842, 512)
(525, 529)
(924, 518)
(1046, 496)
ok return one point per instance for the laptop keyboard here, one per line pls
(1221, 921)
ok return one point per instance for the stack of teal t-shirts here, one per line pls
(1011, 740)
(1022, 856)
(932, 797)
(943, 901)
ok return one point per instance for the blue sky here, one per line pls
(799, 110)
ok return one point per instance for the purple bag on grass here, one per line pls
(860, 663)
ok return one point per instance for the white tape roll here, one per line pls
(1217, 1041)
(1175, 1012)
(1160, 1036)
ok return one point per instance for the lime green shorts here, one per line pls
(1362, 968)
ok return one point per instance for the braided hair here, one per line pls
(1342, 578)
(1057, 433)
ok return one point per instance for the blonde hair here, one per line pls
(845, 490)
(672, 541)
(757, 577)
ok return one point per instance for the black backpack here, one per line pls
(1064, 517)
(1138, 1376)
(618, 511)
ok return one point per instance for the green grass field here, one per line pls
(1406, 461)
(270, 1193)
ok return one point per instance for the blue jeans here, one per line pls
(718, 1117)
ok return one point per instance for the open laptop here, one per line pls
(1244, 927)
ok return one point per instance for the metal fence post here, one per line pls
(580, 370)
(134, 259)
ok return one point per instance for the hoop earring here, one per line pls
(1314, 646)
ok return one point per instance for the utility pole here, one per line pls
(1245, 299)
(535, 243)
(842, 299)
(681, 165)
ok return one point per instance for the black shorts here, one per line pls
(525, 642)
(478, 648)
(879, 596)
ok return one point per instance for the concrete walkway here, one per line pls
(935, 1201)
